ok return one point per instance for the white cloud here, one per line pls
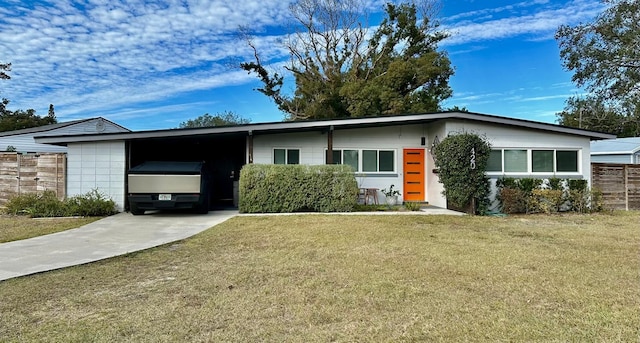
(83, 56)
(98, 55)
(543, 23)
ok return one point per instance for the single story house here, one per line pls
(618, 150)
(384, 151)
(23, 140)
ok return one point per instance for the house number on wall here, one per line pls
(473, 158)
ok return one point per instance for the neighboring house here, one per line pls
(618, 150)
(383, 151)
(23, 142)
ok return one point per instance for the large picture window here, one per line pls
(286, 156)
(366, 160)
(549, 161)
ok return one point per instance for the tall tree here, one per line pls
(592, 113)
(605, 58)
(19, 119)
(219, 119)
(341, 70)
(52, 113)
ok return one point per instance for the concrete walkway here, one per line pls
(112, 236)
(121, 234)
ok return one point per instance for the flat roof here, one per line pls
(310, 125)
(618, 146)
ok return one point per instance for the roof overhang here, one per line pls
(322, 125)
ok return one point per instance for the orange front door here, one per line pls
(414, 175)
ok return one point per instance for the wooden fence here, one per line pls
(619, 184)
(31, 173)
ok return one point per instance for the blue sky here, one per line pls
(153, 64)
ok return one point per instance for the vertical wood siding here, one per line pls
(31, 173)
(619, 184)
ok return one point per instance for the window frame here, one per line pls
(360, 152)
(530, 152)
(286, 155)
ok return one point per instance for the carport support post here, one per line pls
(250, 144)
(330, 145)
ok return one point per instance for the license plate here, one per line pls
(164, 197)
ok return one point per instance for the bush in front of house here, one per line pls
(47, 204)
(91, 204)
(461, 160)
(529, 195)
(269, 188)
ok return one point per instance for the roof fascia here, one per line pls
(276, 127)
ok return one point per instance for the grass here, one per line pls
(319, 278)
(13, 228)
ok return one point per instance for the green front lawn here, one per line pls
(355, 278)
(13, 228)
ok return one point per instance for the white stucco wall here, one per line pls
(434, 187)
(313, 145)
(501, 136)
(100, 166)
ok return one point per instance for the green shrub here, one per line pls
(19, 204)
(527, 185)
(585, 200)
(546, 200)
(462, 160)
(512, 200)
(47, 204)
(555, 183)
(294, 188)
(528, 195)
(578, 185)
(412, 206)
(91, 204)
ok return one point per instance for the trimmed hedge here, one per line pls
(269, 188)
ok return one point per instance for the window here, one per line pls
(495, 161)
(286, 156)
(368, 161)
(349, 157)
(532, 161)
(542, 161)
(566, 161)
(386, 160)
(515, 161)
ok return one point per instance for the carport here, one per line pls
(102, 161)
(224, 153)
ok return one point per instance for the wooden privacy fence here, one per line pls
(31, 173)
(619, 184)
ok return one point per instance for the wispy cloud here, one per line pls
(109, 56)
(100, 54)
(518, 19)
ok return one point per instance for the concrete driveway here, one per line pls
(112, 236)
